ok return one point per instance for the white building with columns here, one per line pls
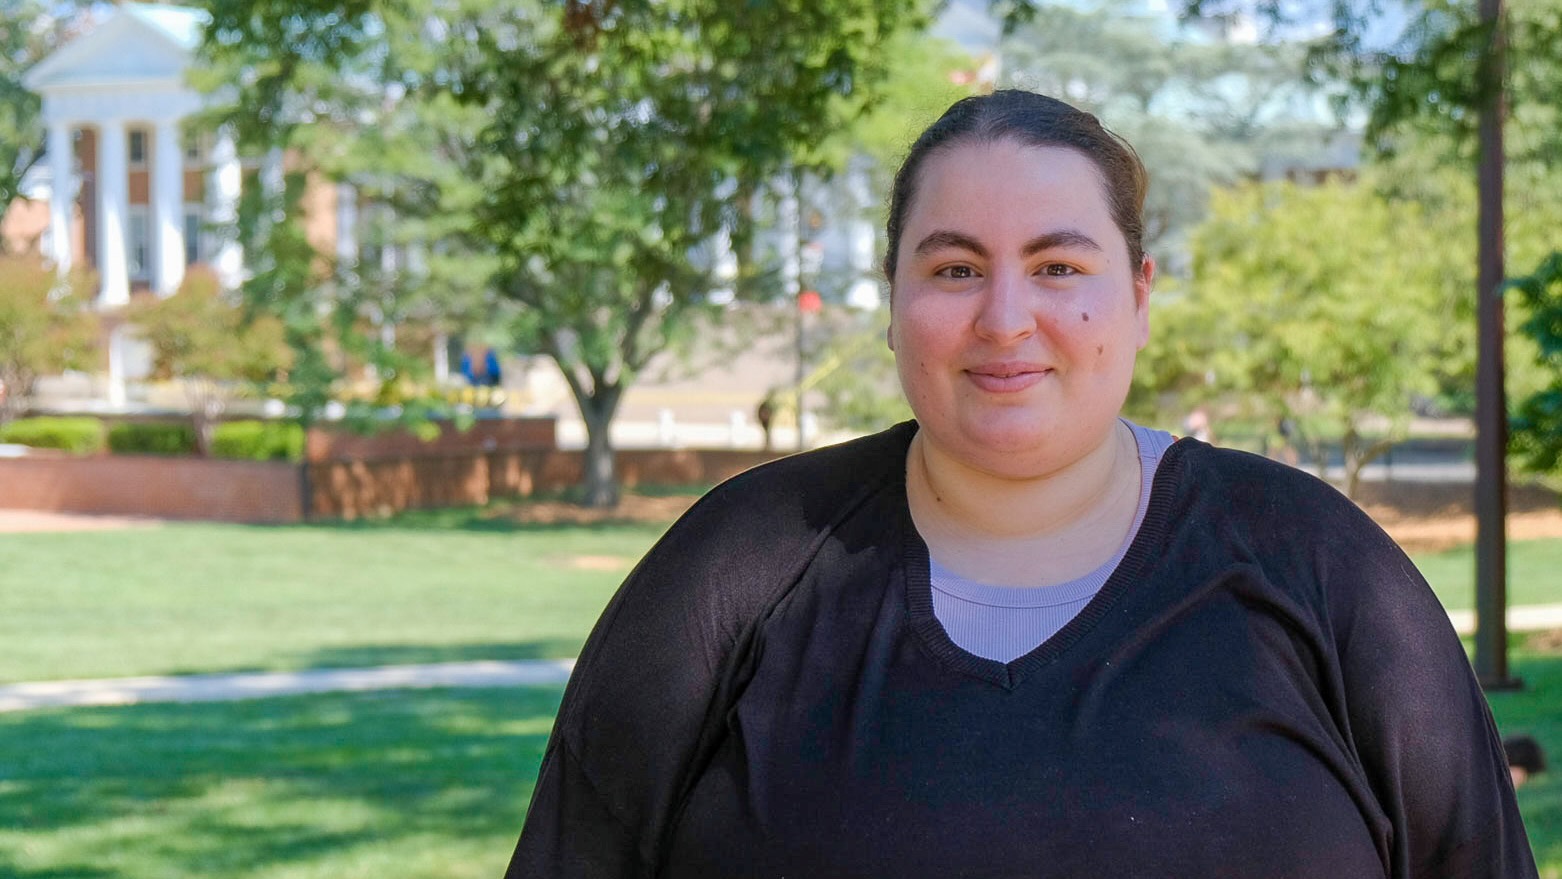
(134, 193)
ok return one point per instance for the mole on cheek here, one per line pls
(1084, 316)
(1100, 349)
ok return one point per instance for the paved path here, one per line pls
(224, 687)
(1524, 618)
(532, 672)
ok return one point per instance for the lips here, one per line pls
(1007, 377)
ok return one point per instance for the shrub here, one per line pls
(79, 436)
(152, 438)
(259, 441)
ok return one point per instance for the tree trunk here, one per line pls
(1357, 457)
(206, 407)
(600, 484)
(15, 389)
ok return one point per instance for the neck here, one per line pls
(1032, 531)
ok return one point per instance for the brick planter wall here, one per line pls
(274, 492)
(149, 485)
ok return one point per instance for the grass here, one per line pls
(1534, 573)
(414, 785)
(205, 598)
(1537, 710)
(425, 587)
(411, 784)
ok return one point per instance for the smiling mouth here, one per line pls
(1007, 379)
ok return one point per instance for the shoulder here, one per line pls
(746, 541)
(1258, 491)
(1308, 538)
(806, 492)
(1285, 519)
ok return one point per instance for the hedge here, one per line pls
(80, 436)
(259, 441)
(152, 438)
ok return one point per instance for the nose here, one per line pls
(1004, 314)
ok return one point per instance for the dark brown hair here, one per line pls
(1032, 120)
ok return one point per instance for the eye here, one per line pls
(1058, 270)
(956, 272)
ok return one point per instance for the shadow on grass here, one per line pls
(1536, 710)
(474, 520)
(328, 784)
(359, 656)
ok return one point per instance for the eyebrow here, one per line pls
(1062, 238)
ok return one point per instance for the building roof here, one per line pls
(182, 24)
(136, 43)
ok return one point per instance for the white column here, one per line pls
(62, 195)
(222, 197)
(441, 357)
(113, 211)
(168, 206)
(117, 344)
(346, 225)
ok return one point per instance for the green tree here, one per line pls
(1327, 305)
(364, 94)
(632, 136)
(29, 30)
(44, 327)
(1537, 417)
(211, 346)
(1201, 113)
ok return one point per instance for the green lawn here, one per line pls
(203, 598)
(404, 784)
(410, 785)
(1537, 710)
(428, 587)
(393, 785)
(1534, 573)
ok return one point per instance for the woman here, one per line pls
(1020, 636)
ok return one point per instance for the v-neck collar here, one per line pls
(918, 585)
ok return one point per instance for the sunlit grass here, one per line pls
(203, 598)
(411, 785)
(1534, 573)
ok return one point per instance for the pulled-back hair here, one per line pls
(1032, 120)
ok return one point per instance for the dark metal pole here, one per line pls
(1491, 408)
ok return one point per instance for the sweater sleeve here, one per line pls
(1418, 719)
(645, 705)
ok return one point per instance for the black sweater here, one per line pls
(1265, 687)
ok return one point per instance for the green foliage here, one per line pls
(1201, 113)
(856, 374)
(364, 93)
(1537, 421)
(198, 333)
(1436, 79)
(79, 436)
(151, 438)
(43, 327)
(1327, 305)
(630, 138)
(29, 30)
(259, 441)
(214, 347)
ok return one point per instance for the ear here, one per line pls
(1144, 281)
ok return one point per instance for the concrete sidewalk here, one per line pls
(226, 687)
(520, 673)
(1524, 618)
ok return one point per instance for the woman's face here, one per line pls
(1015, 317)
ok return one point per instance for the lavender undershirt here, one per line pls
(1005, 622)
